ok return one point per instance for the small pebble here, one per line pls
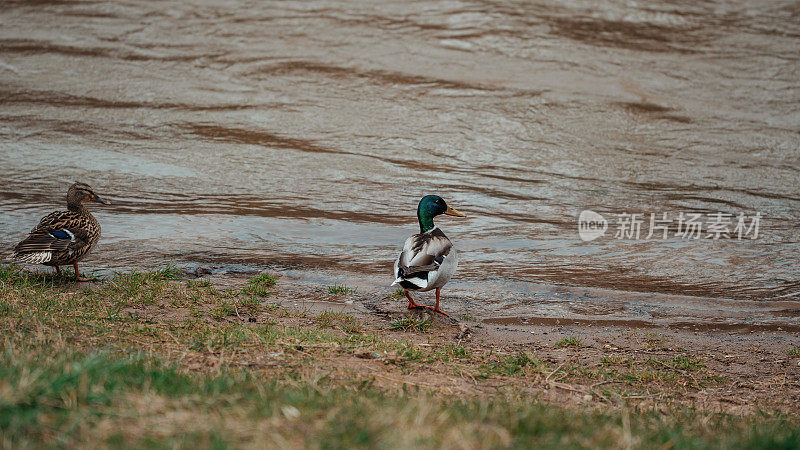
(290, 412)
(200, 271)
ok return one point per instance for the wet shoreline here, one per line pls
(519, 305)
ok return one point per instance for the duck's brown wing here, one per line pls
(426, 248)
(423, 253)
(58, 232)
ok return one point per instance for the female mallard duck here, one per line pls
(63, 237)
(428, 259)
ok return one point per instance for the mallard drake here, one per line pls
(63, 237)
(428, 259)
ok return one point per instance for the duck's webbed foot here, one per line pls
(439, 311)
(78, 276)
(411, 303)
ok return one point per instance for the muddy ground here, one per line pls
(740, 368)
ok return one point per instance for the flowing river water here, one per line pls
(299, 136)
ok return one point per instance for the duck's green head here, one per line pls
(431, 206)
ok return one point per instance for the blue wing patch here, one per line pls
(61, 234)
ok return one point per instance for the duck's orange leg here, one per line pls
(436, 308)
(78, 276)
(411, 303)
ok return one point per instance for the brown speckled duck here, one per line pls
(63, 237)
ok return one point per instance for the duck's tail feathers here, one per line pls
(34, 257)
(412, 283)
(413, 278)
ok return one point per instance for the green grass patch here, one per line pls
(345, 322)
(223, 310)
(5, 308)
(199, 283)
(450, 352)
(73, 393)
(219, 339)
(136, 287)
(510, 365)
(120, 365)
(680, 371)
(271, 307)
(411, 323)
(794, 352)
(260, 284)
(340, 289)
(13, 275)
(408, 351)
(168, 272)
(249, 305)
(569, 342)
(689, 363)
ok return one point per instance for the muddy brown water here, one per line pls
(299, 136)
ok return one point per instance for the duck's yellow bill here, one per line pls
(454, 212)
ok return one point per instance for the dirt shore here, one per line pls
(736, 366)
(290, 359)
